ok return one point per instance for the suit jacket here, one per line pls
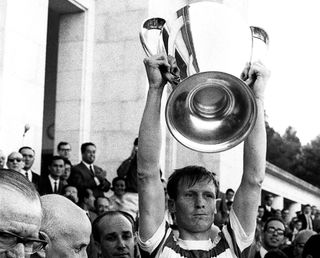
(82, 178)
(303, 219)
(46, 188)
(267, 214)
(35, 179)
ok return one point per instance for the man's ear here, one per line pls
(44, 253)
(171, 206)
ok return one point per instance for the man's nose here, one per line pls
(121, 243)
(200, 202)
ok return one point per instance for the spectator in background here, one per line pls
(64, 150)
(113, 231)
(71, 193)
(15, 161)
(28, 157)
(67, 171)
(316, 222)
(88, 204)
(102, 204)
(223, 208)
(313, 211)
(128, 169)
(268, 210)
(66, 226)
(311, 248)
(305, 217)
(20, 216)
(260, 222)
(2, 159)
(87, 175)
(52, 183)
(272, 236)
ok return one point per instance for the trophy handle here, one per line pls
(260, 44)
(148, 25)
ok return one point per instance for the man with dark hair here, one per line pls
(20, 216)
(102, 204)
(87, 175)
(305, 217)
(52, 183)
(64, 149)
(273, 236)
(28, 156)
(113, 231)
(193, 200)
(268, 210)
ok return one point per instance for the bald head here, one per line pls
(66, 225)
(300, 240)
(15, 161)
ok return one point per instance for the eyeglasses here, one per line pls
(13, 159)
(9, 240)
(279, 231)
(300, 245)
(67, 150)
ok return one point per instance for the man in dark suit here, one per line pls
(268, 210)
(86, 175)
(51, 183)
(28, 156)
(305, 218)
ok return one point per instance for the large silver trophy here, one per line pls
(211, 109)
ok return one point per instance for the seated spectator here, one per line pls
(88, 204)
(121, 200)
(102, 204)
(113, 231)
(15, 161)
(223, 208)
(2, 159)
(66, 227)
(268, 210)
(52, 183)
(297, 226)
(67, 171)
(71, 193)
(20, 216)
(311, 248)
(260, 222)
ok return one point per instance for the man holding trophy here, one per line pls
(193, 190)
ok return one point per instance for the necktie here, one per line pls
(55, 187)
(27, 175)
(91, 169)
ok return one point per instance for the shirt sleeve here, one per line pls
(151, 244)
(241, 238)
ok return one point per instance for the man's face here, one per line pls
(229, 196)
(89, 201)
(65, 151)
(56, 168)
(28, 157)
(260, 212)
(102, 205)
(119, 188)
(72, 193)
(307, 210)
(269, 201)
(89, 155)
(274, 235)
(116, 237)
(195, 206)
(15, 161)
(72, 241)
(2, 159)
(20, 216)
(67, 172)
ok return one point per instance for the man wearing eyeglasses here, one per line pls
(20, 216)
(273, 236)
(15, 161)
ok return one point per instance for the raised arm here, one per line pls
(247, 197)
(160, 69)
